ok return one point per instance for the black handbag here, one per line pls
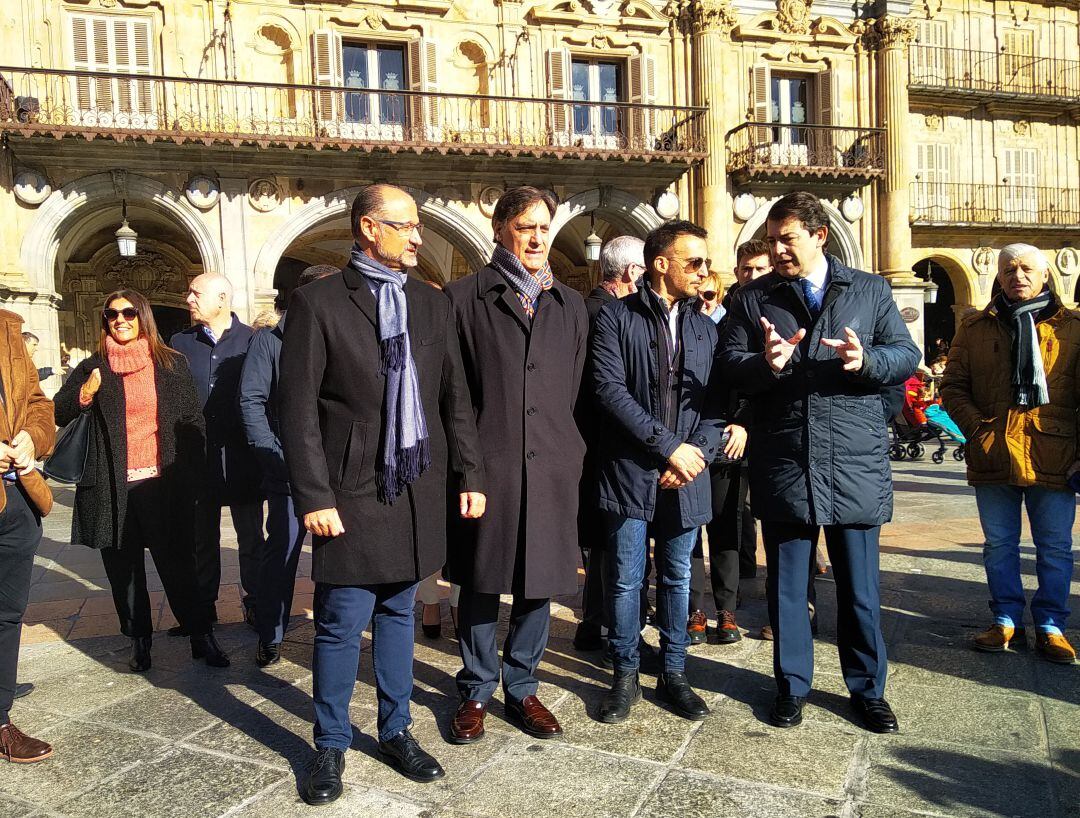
(68, 461)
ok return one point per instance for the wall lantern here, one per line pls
(126, 238)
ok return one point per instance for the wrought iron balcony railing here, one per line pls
(991, 73)
(125, 106)
(964, 204)
(756, 149)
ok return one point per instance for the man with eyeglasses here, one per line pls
(377, 428)
(652, 359)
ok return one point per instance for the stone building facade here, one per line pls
(234, 134)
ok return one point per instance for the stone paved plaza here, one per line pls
(981, 735)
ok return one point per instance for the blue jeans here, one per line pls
(341, 614)
(627, 545)
(1051, 514)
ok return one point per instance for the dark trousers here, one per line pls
(277, 568)
(853, 552)
(20, 533)
(146, 526)
(526, 640)
(248, 521)
(341, 614)
(726, 533)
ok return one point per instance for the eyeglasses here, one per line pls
(708, 295)
(405, 228)
(693, 264)
(129, 313)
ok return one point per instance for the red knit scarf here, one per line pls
(132, 362)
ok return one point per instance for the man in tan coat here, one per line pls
(27, 432)
(1012, 386)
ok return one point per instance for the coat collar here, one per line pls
(489, 280)
(361, 295)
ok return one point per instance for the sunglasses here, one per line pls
(129, 313)
(709, 295)
(693, 264)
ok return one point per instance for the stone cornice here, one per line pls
(713, 15)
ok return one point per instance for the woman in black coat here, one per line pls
(142, 469)
(523, 341)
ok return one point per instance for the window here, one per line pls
(112, 44)
(1018, 61)
(933, 171)
(930, 56)
(378, 67)
(802, 101)
(789, 100)
(1021, 199)
(596, 81)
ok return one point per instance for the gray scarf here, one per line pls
(1029, 376)
(406, 451)
(527, 286)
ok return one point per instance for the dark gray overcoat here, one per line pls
(331, 403)
(524, 378)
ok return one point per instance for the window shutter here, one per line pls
(422, 61)
(826, 96)
(142, 50)
(558, 87)
(81, 60)
(762, 82)
(327, 70)
(642, 91)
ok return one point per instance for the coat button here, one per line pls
(531, 367)
(650, 440)
(530, 455)
(531, 411)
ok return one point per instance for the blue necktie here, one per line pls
(812, 301)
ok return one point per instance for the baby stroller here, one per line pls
(937, 417)
(923, 421)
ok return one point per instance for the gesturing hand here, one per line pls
(850, 350)
(324, 523)
(686, 462)
(473, 504)
(778, 351)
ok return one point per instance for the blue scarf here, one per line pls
(406, 450)
(528, 286)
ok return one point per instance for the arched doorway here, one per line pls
(170, 320)
(568, 261)
(939, 318)
(843, 243)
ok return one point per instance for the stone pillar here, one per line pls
(232, 207)
(711, 22)
(894, 35)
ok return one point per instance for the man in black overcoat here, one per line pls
(375, 419)
(814, 345)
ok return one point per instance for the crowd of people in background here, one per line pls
(494, 432)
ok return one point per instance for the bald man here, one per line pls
(215, 347)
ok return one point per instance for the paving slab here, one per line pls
(689, 796)
(284, 800)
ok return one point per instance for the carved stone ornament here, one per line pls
(982, 259)
(852, 208)
(202, 191)
(667, 205)
(107, 4)
(744, 207)
(1068, 261)
(119, 181)
(32, 187)
(896, 32)
(605, 8)
(487, 199)
(148, 272)
(264, 195)
(793, 16)
(934, 122)
(713, 15)
(1022, 127)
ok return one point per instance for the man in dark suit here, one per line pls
(814, 344)
(375, 410)
(215, 347)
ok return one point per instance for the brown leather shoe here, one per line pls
(468, 723)
(18, 747)
(996, 638)
(766, 633)
(1055, 647)
(696, 627)
(536, 720)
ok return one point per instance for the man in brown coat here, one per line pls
(27, 432)
(1012, 387)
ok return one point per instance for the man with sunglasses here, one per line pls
(652, 364)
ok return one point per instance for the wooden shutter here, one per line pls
(930, 55)
(1021, 175)
(642, 71)
(114, 45)
(1018, 69)
(422, 66)
(761, 97)
(558, 87)
(326, 70)
(82, 60)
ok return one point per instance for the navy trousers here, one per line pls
(277, 568)
(853, 553)
(526, 640)
(341, 614)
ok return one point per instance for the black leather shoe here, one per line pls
(140, 654)
(625, 693)
(207, 647)
(404, 752)
(323, 783)
(877, 716)
(178, 630)
(786, 711)
(268, 653)
(23, 689)
(674, 688)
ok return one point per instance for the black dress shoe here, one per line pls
(786, 711)
(877, 716)
(207, 647)
(268, 653)
(23, 689)
(323, 783)
(178, 630)
(140, 654)
(404, 752)
(625, 693)
(674, 688)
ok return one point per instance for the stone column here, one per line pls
(232, 207)
(711, 22)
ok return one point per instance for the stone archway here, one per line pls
(470, 241)
(625, 210)
(846, 243)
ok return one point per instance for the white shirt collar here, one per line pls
(818, 275)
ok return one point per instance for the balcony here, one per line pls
(1002, 206)
(1007, 82)
(123, 107)
(825, 152)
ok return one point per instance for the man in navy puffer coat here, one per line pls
(813, 344)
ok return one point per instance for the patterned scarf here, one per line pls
(406, 451)
(528, 286)
(1029, 377)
